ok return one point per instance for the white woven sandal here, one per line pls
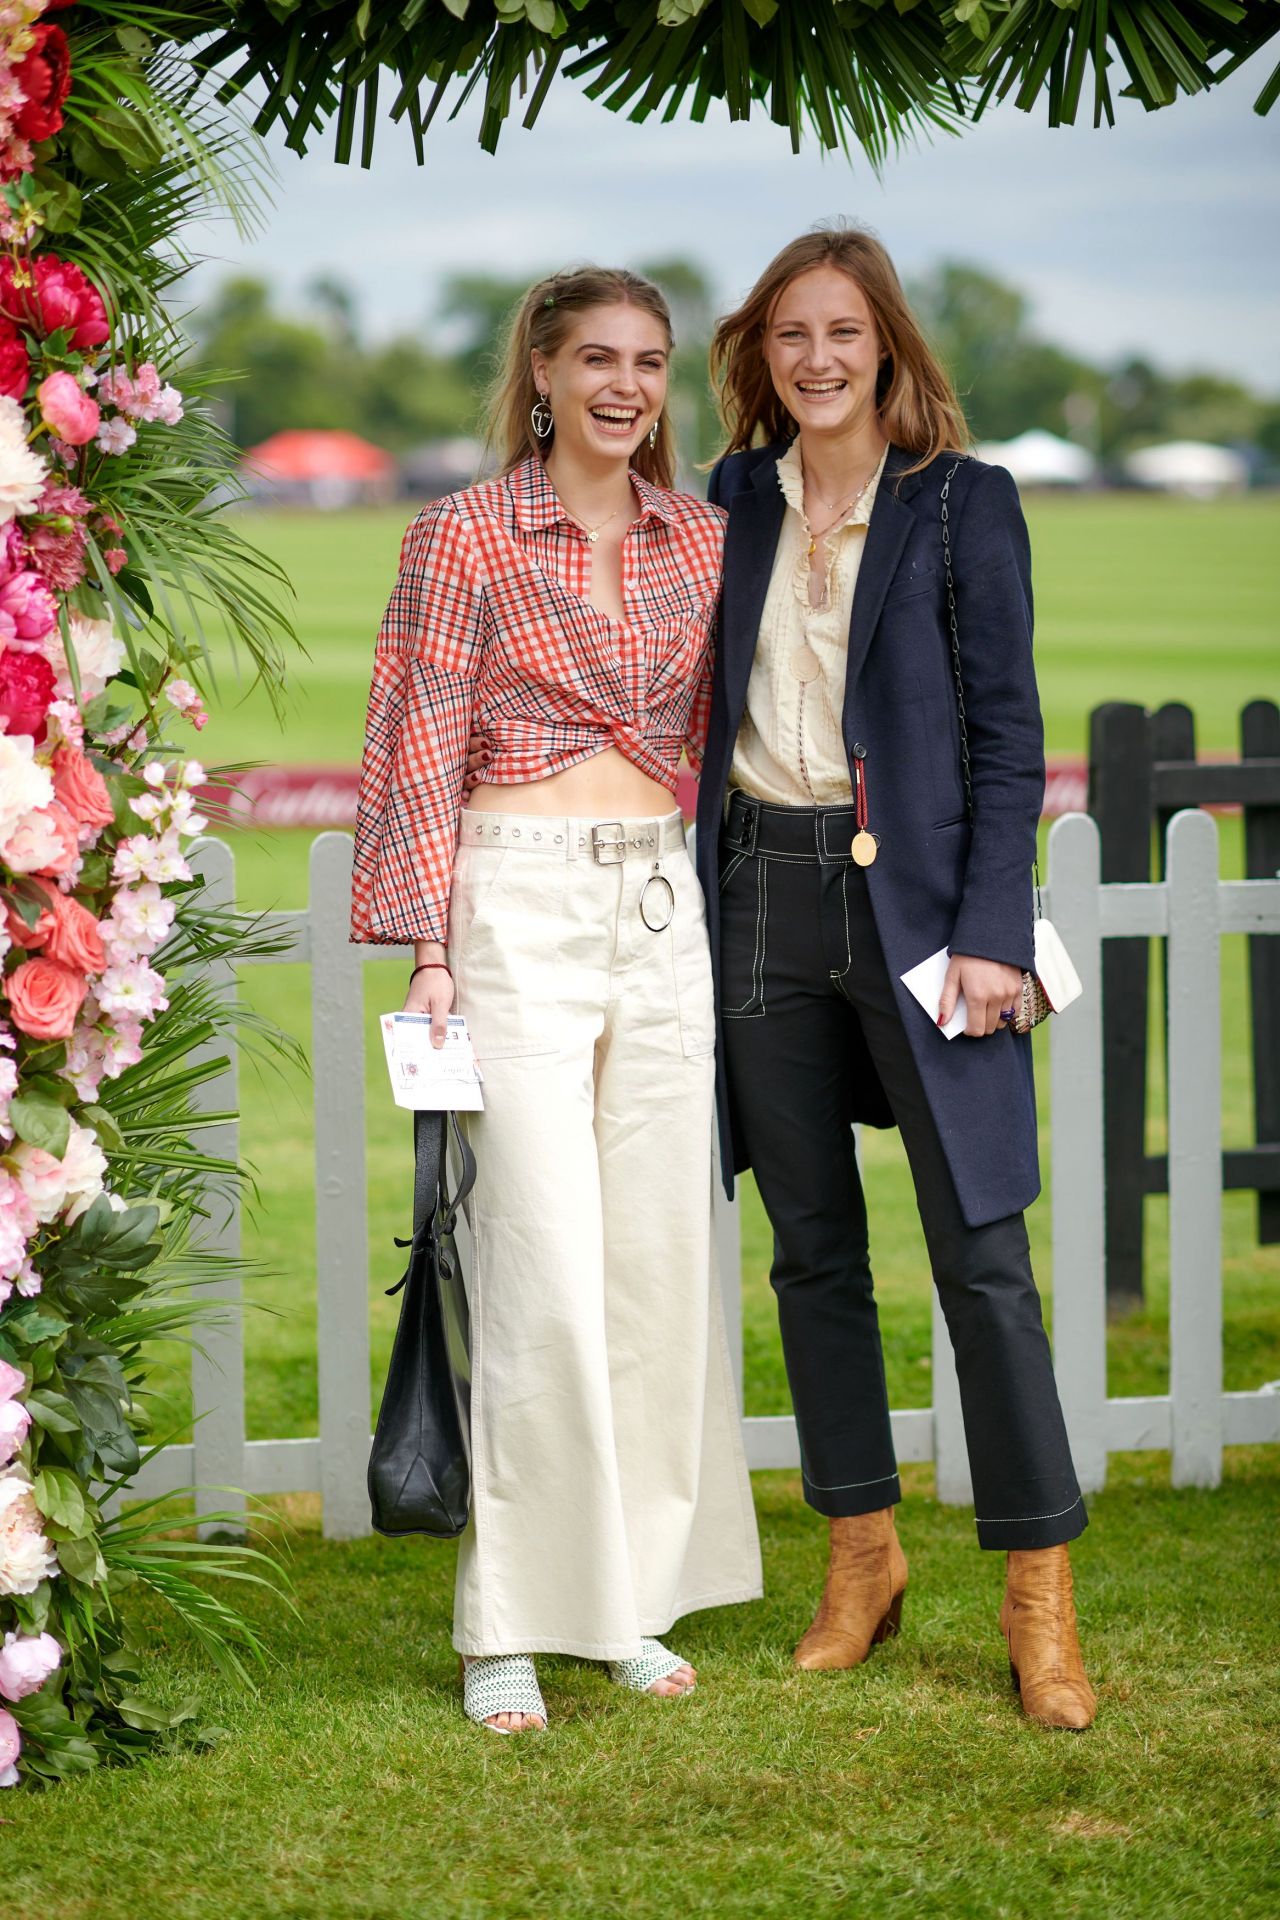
(501, 1683)
(654, 1662)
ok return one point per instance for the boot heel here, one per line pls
(892, 1621)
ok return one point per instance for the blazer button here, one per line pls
(859, 751)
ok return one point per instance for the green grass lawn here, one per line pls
(350, 1787)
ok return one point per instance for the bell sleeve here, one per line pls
(425, 665)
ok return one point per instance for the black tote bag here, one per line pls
(420, 1463)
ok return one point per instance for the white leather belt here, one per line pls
(607, 842)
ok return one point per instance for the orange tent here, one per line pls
(301, 454)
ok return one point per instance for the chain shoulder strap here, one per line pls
(955, 638)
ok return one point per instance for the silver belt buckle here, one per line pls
(608, 852)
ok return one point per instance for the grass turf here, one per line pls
(351, 1788)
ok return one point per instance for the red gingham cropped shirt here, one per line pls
(489, 623)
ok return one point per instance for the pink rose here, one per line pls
(68, 409)
(20, 934)
(61, 296)
(10, 1747)
(27, 687)
(26, 1661)
(44, 999)
(15, 362)
(81, 789)
(75, 941)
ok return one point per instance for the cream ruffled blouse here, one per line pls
(790, 746)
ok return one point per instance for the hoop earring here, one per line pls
(541, 418)
(653, 434)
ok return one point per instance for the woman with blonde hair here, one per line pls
(567, 606)
(871, 785)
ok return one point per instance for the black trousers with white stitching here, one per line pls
(806, 1001)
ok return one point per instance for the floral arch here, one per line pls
(119, 124)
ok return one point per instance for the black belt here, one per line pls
(824, 834)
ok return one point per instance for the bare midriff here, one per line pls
(606, 787)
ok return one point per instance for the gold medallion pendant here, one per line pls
(865, 847)
(805, 664)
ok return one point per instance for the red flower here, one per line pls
(45, 78)
(15, 366)
(60, 297)
(26, 688)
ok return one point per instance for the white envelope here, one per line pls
(926, 982)
(429, 1079)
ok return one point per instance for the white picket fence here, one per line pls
(1193, 1421)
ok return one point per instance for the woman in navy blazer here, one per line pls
(915, 833)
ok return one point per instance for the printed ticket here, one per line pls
(429, 1079)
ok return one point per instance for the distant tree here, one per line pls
(289, 370)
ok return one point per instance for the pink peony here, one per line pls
(17, 1224)
(48, 294)
(15, 362)
(10, 1748)
(23, 782)
(26, 1661)
(44, 75)
(12, 1381)
(44, 999)
(15, 1424)
(31, 607)
(26, 1557)
(84, 1167)
(99, 655)
(27, 686)
(43, 1179)
(81, 789)
(67, 408)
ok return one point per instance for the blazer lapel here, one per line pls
(891, 522)
(755, 520)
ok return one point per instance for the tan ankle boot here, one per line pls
(862, 1602)
(1038, 1619)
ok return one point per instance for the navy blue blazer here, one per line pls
(940, 880)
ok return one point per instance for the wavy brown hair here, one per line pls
(915, 399)
(544, 319)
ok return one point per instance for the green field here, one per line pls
(350, 1787)
(1137, 599)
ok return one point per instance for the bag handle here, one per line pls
(965, 766)
(435, 1212)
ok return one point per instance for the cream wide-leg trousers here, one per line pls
(609, 1488)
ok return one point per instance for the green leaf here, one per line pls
(51, 1410)
(762, 11)
(82, 1561)
(41, 1123)
(59, 1497)
(109, 1135)
(32, 1322)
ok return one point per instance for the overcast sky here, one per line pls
(1159, 237)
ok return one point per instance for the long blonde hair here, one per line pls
(915, 400)
(543, 320)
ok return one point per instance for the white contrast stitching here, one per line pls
(1024, 1519)
(844, 1486)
